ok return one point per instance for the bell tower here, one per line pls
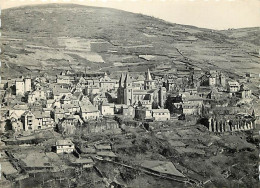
(128, 90)
(149, 82)
(120, 90)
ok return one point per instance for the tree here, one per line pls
(155, 105)
(169, 103)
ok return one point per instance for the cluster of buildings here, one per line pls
(101, 151)
(70, 100)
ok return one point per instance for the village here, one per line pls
(75, 121)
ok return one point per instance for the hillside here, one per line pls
(54, 36)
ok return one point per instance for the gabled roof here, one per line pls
(84, 97)
(46, 115)
(84, 160)
(88, 109)
(106, 79)
(69, 117)
(47, 109)
(139, 91)
(233, 83)
(58, 91)
(67, 106)
(41, 114)
(69, 98)
(63, 77)
(160, 110)
(19, 80)
(189, 106)
(151, 91)
(103, 147)
(140, 78)
(162, 167)
(13, 115)
(37, 114)
(63, 142)
(28, 112)
(20, 107)
(78, 118)
(105, 103)
(100, 95)
(106, 154)
(77, 94)
(84, 103)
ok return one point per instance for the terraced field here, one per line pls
(45, 37)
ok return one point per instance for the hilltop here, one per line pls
(54, 36)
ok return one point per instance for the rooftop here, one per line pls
(84, 161)
(63, 142)
(160, 110)
(106, 153)
(103, 147)
(89, 108)
(162, 167)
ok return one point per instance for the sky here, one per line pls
(213, 14)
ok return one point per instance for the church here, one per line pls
(150, 95)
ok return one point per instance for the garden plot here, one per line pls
(75, 44)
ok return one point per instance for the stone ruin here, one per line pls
(230, 125)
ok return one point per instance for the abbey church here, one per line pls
(148, 93)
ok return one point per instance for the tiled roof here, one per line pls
(20, 107)
(89, 109)
(160, 110)
(37, 114)
(103, 147)
(63, 142)
(106, 154)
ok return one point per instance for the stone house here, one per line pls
(89, 112)
(64, 146)
(58, 114)
(233, 86)
(29, 121)
(106, 109)
(161, 114)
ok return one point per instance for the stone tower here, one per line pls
(120, 90)
(162, 96)
(212, 81)
(19, 86)
(222, 80)
(128, 90)
(27, 84)
(149, 82)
